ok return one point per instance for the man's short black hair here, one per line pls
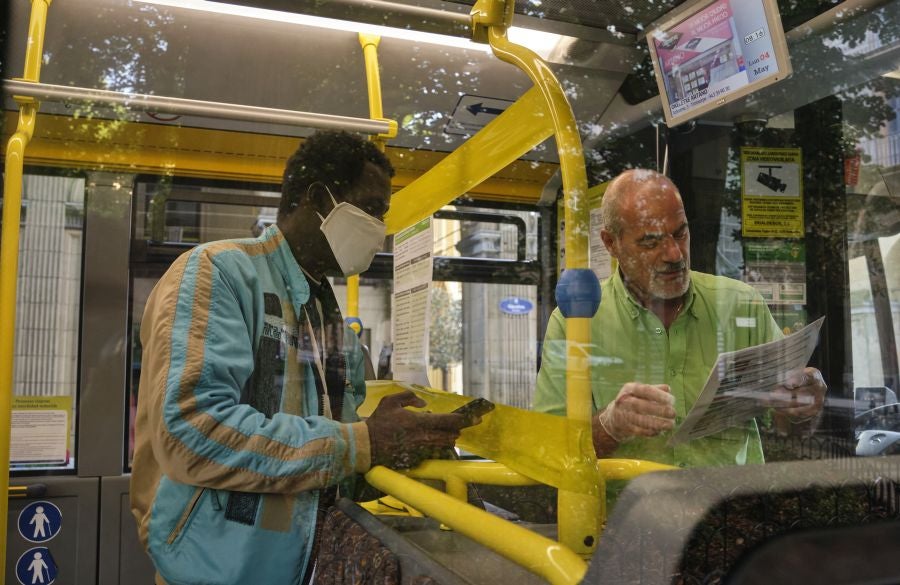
(335, 159)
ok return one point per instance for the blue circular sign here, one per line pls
(36, 565)
(516, 306)
(40, 521)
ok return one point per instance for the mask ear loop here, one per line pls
(327, 190)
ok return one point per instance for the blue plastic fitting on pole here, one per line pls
(578, 293)
(355, 324)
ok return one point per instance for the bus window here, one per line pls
(484, 304)
(874, 231)
(875, 300)
(169, 220)
(45, 376)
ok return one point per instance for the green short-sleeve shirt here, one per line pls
(630, 344)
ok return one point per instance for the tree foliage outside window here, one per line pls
(445, 336)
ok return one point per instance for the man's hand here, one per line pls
(639, 410)
(401, 438)
(801, 397)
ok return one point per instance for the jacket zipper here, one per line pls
(188, 510)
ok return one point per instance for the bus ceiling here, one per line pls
(439, 94)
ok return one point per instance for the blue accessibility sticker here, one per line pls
(36, 565)
(40, 521)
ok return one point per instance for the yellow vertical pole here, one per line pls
(369, 45)
(580, 515)
(9, 244)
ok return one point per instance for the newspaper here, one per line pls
(740, 381)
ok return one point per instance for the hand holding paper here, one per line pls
(802, 394)
(745, 383)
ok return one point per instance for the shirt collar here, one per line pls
(634, 308)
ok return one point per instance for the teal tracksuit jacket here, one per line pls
(231, 452)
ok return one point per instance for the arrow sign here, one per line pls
(466, 120)
(480, 108)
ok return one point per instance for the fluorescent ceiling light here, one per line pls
(540, 42)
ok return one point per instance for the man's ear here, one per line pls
(610, 242)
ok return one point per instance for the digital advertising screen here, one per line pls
(717, 51)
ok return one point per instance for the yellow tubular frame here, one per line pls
(9, 244)
(517, 130)
(541, 112)
(580, 515)
(628, 469)
(542, 556)
(457, 475)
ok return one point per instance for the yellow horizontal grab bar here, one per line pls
(540, 555)
(628, 468)
(486, 472)
(494, 473)
(457, 475)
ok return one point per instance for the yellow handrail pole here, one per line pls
(580, 515)
(9, 243)
(369, 45)
(538, 554)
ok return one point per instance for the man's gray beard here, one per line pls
(664, 293)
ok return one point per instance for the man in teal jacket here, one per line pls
(249, 386)
(657, 333)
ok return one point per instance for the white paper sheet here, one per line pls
(740, 382)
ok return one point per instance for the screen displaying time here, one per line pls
(754, 36)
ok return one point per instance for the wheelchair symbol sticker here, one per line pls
(36, 566)
(40, 521)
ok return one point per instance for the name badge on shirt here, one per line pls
(745, 322)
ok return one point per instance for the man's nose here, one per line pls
(672, 251)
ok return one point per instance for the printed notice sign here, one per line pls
(740, 382)
(413, 267)
(771, 193)
(777, 270)
(40, 430)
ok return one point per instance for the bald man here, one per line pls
(659, 329)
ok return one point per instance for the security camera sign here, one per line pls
(771, 192)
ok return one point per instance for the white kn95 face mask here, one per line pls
(354, 236)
